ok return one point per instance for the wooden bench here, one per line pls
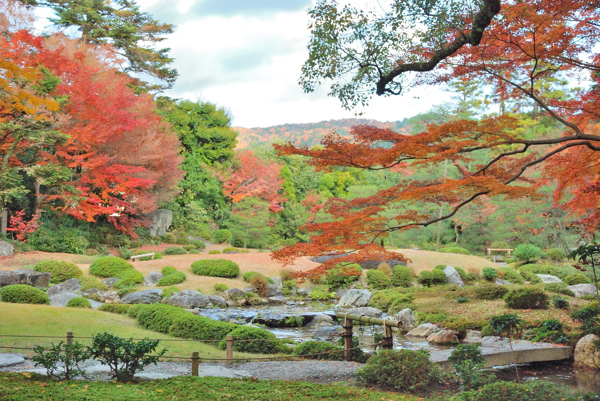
(134, 257)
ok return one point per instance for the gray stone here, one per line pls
(365, 311)
(28, 277)
(322, 319)
(95, 304)
(587, 353)
(62, 299)
(582, 289)
(152, 279)
(327, 332)
(143, 297)
(273, 291)
(154, 376)
(444, 337)
(221, 371)
(7, 360)
(234, 293)
(278, 283)
(110, 297)
(248, 289)
(71, 285)
(355, 298)
(278, 299)
(280, 320)
(499, 281)
(302, 292)
(473, 337)
(453, 277)
(549, 279)
(110, 282)
(6, 249)
(161, 221)
(189, 299)
(407, 318)
(340, 292)
(217, 300)
(424, 330)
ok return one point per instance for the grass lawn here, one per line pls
(33, 387)
(427, 260)
(43, 320)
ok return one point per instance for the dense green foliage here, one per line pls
(216, 268)
(254, 340)
(392, 300)
(489, 273)
(120, 309)
(79, 302)
(174, 250)
(378, 280)
(89, 282)
(576, 278)
(171, 276)
(526, 298)
(508, 274)
(489, 292)
(61, 271)
(401, 276)
(434, 277)
(319, 350)
(23, 294)
(109, 266)
(532, 390)
(527, 253)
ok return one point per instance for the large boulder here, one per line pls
(424, 330)
(587, 354)
(355, 299)
(278, 283)
(582, 289)
(277, 299)
(71, 285)
(443, 337)
(161, 221)
(62, 299)
(6, 249)
(407, 318)
(152, 279)
(549, 279)
(7, 360)
(189, 299)
(143, 297)
(365, 311)
(453, 277)
(24, 276)
(273, 291)
(217, 301)
(234, 293)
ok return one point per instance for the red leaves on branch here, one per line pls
(21, 227)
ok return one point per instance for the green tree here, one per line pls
(249, 223)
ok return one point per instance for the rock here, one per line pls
(549, 279)
(443, 337)
(587, 353)
(110, 282)
(325, 332)
(278, 299)
(365, 311)
(154, 376)
(29, 277)
(273, 291)
(582, 289)
(424, 330)
(340, 292)
(453, 277)
(280, 320)
(278, 283)
(473, 337)
(241, 302)
(217, 300)
(302, 292)
(152, 279)
(110, 297)
(62, 299)
(234, 293)
(6, 249)
(499, 281)
(71, 285)
(322, 319)
(494, 341)
(143, 297)
(407, 318)
(7, 360)
(248, 289)
(95, 304)
(189, 299)
(355, 298)
(161, 221)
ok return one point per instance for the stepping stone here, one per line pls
(7, 360)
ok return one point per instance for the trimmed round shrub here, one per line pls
(489, 292)
(576, 278)
(320, 294)
(560, 302)
(456, 249)
(319, 350)
(169, 238)
(555, 254)
(403, 370)
(265, 341)
(527, 253)
(231, 249)
(530, 390)
(378, 279)
(157, 255)
(216, 268)
(171, 276)
(214, 252)
(384, 299)
(129, 278)
(61, 271)
(174, 250)
(23, 294)
(401, 276)
(434, 277)
(110, 266)
(526, 298)
(464, 276)
(342, 275)
(190, 247)
(489, 273)
(219, 287)
(119, 309)
(223, 235)
(508, 274)
(79, 302)
(89, 282)
(199, 243)
(559, 288)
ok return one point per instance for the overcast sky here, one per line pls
(246, 56)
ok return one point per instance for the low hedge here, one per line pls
(214, 252)
(530, 390)
(119, 309)
(79, 302)
(435, 277)
(384, 299)
(109, 266)
(23, 294)
(216, 268)
(576, 278)
(174, 250)
(171, 276)
(61, 271)
(89, 282)
(129, 278)
(489, 292)
(508, 274)
(526, 298)
(378, 280)
(266, 342)
(558, 271)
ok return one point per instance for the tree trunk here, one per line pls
(439, 223)
(3, 221)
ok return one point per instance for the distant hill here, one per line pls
(308, 134)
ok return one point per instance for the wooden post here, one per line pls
(388, 339)
(69, 338)
(195, 362)
(347, 335)
(229, 341)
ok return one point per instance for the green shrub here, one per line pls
(223, 235)
(489, 273)
(230, 249)
(401, 302)
(467, 361)
(464, 276)
(119, 309)
(531, 390)
(169, 238)
(49, 238)
(62, 361)
(219, 287)
(560, 302)
(289, 287)
(378, 279)
(248, 276)
(403, 370)
(526, 298)
(558, 271)
(489, 292)
(190, 247)
(216, 268)
(198, 243)
(23, 294)
(589, 317)
(527, 253)
(109, 266)
(157, 255)
(556, 254)
(89, 282)
(174, 250)
(401, 276)
(264, 342)
(559, 288)
(167, 292)
(576, 278)
(455, 249)
(384, 299)
(320, 294)
(61, 271)
(129, 278)
(171, 276)
(214, 252)
(462, 300)
(342, 275)
(508, 274)
(79, 302)
(319, 350)
(435, 277)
